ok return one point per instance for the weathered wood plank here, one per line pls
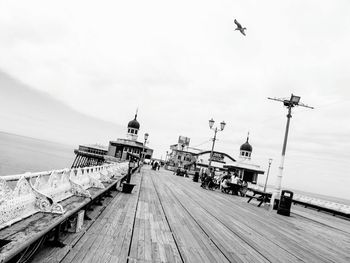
(177, 221)
(287, 233)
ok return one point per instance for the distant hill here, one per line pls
(28, 112)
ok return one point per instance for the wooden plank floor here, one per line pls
(172, 219)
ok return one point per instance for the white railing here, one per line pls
(343, 208)
(337, 207)
(25, 194)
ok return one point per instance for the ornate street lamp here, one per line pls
(144, 144)
(267, 176)
(222, 127)
(142, 155)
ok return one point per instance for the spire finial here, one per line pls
(137, 110)
(248, 137)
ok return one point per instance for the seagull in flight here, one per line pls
(239, 27)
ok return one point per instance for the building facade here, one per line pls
(246, 169)
(120, 148)
(184, 156)
(89, 155)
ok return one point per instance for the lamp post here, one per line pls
(211, 124)
(142, 156)
(267, 176)
(143, 148)
(289, 103)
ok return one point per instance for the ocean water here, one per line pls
(323, 197)
(317, 196)
(19, 154)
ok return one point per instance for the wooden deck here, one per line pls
(172, 219)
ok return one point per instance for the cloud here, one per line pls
(182, 63)
(35, 114)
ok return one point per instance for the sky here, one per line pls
(76, 71)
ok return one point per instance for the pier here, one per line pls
(168, 218)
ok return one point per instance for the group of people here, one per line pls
(181, 172)
(155, 165)
(210, 179)
(225, 182)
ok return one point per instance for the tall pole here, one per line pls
(267, 176)
(142, 156)
(289, 103)
(211, 124)
(280, 168)
(212, 148)
(278, 183)
(143, 151)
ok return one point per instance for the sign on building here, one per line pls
(217, 157)
(184, 140)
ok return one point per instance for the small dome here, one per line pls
(134, 123)
(246, 146)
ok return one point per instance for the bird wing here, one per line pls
(238, 24)
(242, 31)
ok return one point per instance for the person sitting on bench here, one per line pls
(224, 187)
(244, 188)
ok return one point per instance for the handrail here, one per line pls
(15, 177)
(26, 194)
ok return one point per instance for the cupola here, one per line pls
(133, 129)
(246, 149)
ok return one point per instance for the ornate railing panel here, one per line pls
(26, 194)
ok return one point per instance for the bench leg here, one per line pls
(108, 194)
(66, 225)
(250, 198)
(86, 217)
(56, 240)
(98, 202)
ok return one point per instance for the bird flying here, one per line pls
(239, 27)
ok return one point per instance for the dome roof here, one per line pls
(134, 123)
(246, 146)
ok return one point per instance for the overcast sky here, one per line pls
(181, 63)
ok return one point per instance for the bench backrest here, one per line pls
(26, 194)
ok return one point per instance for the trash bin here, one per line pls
(285, 203)
(196, 177)
(127, 188)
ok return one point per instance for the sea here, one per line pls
(20, 154)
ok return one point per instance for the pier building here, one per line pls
(89, 155)
(182, 155)
(117, 151)
(121, 147)
(247, 170)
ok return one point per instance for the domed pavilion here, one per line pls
(122, 148)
